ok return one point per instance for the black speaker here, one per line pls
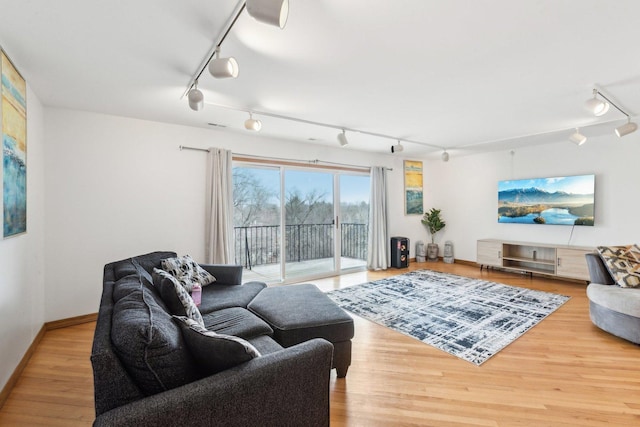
(399, 252)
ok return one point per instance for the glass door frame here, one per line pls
(335, 173)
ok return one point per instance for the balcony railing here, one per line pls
(260, 245)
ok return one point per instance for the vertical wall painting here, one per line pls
(413, 187)
(13, 112)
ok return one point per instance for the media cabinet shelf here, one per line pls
(535, 258)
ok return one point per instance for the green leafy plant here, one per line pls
(433, 222)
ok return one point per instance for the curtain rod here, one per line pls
(316, 161)
(182, 147)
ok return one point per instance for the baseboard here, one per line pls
(465, 262)
(71, 321)
(6, 390)
(48, 326)
(455, 261)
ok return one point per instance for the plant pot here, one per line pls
(432, 252)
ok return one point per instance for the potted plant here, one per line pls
(434, 223)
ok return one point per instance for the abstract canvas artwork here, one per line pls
(413, 187)
(13, 112)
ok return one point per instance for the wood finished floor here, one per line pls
(563, 372)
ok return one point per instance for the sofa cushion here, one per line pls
(175, 296)
(265, 344)
(623, 262)
(214, 352)
(621, 300)
(598, 272)
(149, 344)
(187, 271)
(125, 286)
(148, 261)
(217, 297)
(236, 321)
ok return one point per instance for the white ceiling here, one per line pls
(458, 74)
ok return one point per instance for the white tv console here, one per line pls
(534, 258)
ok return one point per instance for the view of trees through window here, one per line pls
(309, 214)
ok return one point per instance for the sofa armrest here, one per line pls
(225, 274)
(287, 387)
(598, 272)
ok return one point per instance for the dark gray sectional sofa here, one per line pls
(145, 375)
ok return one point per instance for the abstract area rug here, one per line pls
(469, 318)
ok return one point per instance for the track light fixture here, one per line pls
(252, 124)
(342, 139)
(626, 128)
(577, 138)
(397, 148)
(445, 156)
(596, 106)
(196, 98)
(272, 12)
(223, 68)
(599, 107)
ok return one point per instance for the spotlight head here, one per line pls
(445, 156)
(272, 12)
(397, 148)
(253, 124)
(596, 106)
(626, 129)
(196, 99)
(577, 138)
(342, 139)
(223, 68)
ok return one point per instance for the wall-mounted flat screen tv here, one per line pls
(562, 200)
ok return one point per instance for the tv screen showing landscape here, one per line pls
(563, 200)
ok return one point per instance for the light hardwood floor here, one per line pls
(563, 372)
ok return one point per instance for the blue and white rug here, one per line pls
(469, 318)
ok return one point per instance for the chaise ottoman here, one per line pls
(298, 313)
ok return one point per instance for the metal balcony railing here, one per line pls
(260, 245)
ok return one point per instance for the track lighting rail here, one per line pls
(214, 50)
(326, 125)
(611, 102)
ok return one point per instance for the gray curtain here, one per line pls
(378, 242)
(219, 208)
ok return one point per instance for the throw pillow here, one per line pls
(176, 296)
(623, 262)
(187, 271)
(214, 352)
(150, 344)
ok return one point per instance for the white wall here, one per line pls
(118, 187)
(22, 257)
(465, 189)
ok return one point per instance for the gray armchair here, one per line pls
(612, 308)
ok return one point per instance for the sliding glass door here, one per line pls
(256, 221)
(354, 220)
(294, 223)
(309, 223)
